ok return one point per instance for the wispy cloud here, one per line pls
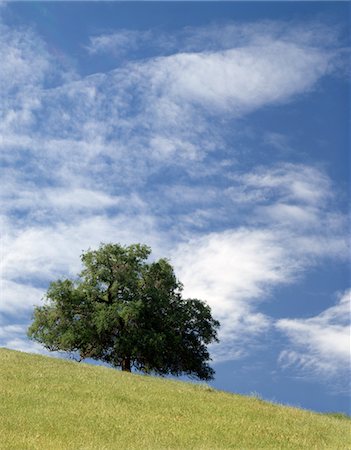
(288, 226)
(137, 119)
(12, 336)
(238, 270)
(320, 345)
(119, 43)
(213, 37)
(152, 111)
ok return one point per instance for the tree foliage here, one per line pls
(129, 313)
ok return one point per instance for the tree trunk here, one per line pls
(126, 364)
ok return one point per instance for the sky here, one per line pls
(215, 132)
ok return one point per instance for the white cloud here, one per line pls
(235, 67)
(277, 141)
(79, 198)
(232, 272)
(230, 265)
(13, 337)
(297, 182)
(24, 345)
(320, 345)
(13, 329)
(50, 251)
(214, 37)
(27, 68)
(236, 270)
(291, 214)
(24, 61)
(118, 42)
(240, 80)
(59, 201)
(164, 148)
(18, 298)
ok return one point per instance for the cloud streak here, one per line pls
(213, 37)
(320, 344)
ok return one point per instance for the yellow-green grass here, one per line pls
(47, 403)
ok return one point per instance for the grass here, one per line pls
(47, 403)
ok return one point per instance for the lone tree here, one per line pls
(128, 313)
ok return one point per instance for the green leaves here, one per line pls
(127, 312)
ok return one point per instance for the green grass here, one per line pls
(47, 403)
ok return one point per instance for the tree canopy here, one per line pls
(129, 313)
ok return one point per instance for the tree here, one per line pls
(129, 313)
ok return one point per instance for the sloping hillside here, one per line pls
(46, 403)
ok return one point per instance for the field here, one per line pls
(47, 403)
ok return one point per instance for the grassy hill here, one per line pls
(46, 403)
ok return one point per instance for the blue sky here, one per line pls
(216, 133)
